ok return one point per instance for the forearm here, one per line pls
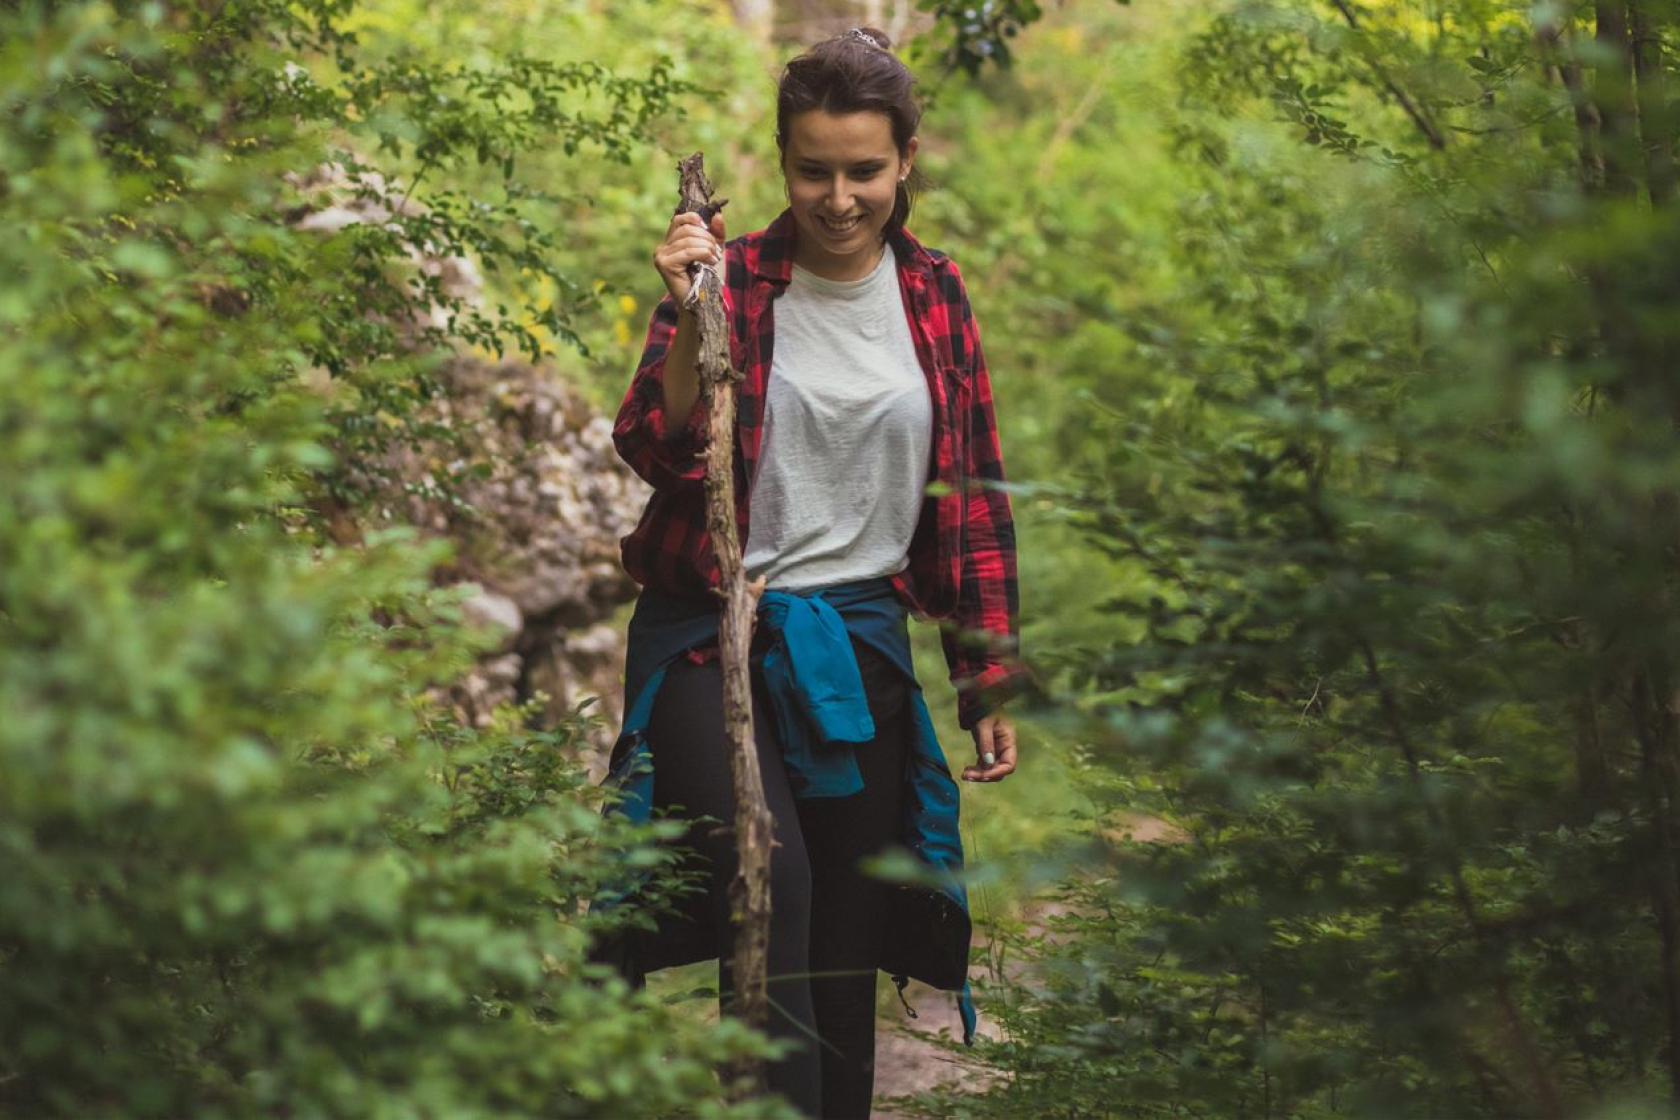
(662, 448)
(681, 382)
(982, 643)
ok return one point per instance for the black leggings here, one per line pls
(827, 918)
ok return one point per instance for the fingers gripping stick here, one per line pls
(702, 274)
(699, 272)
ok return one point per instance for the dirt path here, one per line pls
(906, 1064)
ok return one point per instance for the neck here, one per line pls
(829, 267)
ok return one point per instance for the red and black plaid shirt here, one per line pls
(962, 554)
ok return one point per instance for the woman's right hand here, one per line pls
(686, 241)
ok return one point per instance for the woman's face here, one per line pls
(842, 174)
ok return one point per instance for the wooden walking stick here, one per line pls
(749, 893)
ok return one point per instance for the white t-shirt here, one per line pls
(843, 458)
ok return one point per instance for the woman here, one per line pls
(864, 384)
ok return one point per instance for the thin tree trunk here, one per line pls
(1624, 130)
(1613, 94)
(1621, 121)
(1592, 772)
(749, 892)
(1656, 124)
(899, 23)
(1559, 41)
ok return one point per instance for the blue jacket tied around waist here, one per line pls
(821, 713)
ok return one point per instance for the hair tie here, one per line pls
(861, 35)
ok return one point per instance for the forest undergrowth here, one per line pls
(1334, 346)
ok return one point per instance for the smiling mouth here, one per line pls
(846, 226)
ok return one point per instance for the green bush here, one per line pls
(250, 865)
(1357, 354)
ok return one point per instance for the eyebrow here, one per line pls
(805, 161)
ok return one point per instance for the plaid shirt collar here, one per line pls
(771, 256)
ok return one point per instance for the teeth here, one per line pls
(841, 227)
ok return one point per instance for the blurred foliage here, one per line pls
(967, 36)
(585, 304)
(1335, 349)
(252, 865)
(1349, 337)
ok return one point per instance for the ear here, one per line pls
(909, 156)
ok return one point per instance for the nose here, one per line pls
(840, 192)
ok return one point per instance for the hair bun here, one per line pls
(874, 36)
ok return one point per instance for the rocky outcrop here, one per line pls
(536, 537)
(539, 498)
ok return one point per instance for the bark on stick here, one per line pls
(749, 893)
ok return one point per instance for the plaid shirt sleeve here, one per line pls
(982, 642)
(665, 457)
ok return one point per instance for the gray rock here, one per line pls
(537, 536)
(498, 612)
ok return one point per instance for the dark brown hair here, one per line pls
(850, 73)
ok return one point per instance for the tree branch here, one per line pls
(749, 891)
(1436, 138)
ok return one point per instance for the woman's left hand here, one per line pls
(993, 735)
